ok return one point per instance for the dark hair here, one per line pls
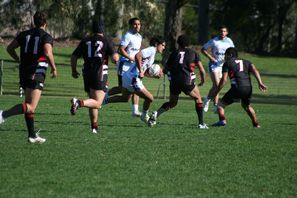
(183, 41)
(231, 52)
(39, 18)
(223, 26)
(156, 40)
(98, 26)
(131, 21)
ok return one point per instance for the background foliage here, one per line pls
(261, 26)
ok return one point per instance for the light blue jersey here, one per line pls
(218, 47)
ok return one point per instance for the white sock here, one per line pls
(135, 108)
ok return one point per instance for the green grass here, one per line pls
(173, 159)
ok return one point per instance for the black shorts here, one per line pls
(94, 82)
(35, 81)
(178, 86)
(236, 94)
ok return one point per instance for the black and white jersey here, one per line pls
(95, 51)
(32, 55)
(181, 65)
(238, 72)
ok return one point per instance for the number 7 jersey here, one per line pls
(238, 72)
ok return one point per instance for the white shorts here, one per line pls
(215, 68)
(132, 83)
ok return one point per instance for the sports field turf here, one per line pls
(173, 159)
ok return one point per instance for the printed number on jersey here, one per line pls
(98, 46)
(35, 50)
(240, 64)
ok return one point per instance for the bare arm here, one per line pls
(122, 51)
(48, 52)
(11, 50)
(202, 73)
(208, 55)
(138, 60)
(75, 73)
(256, 73)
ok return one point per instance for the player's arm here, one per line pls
(256, 73)
(11, 50)
(138, 61)
(75, 73)
(208, 55)
(201, 72)
(48, 52)
(122, 51)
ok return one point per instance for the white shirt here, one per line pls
(219, 47)
(148, 57)
(132, 43)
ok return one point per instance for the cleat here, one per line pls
(74, 106)
(136, 114)
(145, 117)
(153, 119)
(202, 126)
(205, 104)
(2, 120)
(215, 108)
(37, 139)
(95, 131)
(219, 124)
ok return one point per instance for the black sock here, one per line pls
(199, 111)
(29, 117)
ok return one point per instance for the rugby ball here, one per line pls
(154, 70)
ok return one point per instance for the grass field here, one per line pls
(173, 159)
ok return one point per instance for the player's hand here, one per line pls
(262, 87)
(141, 74)
(161, 74)
(54, 73)
(75, 74)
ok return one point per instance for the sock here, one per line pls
(135, 108)
(94, 125)
(199, 111)
(29, 117)
(81, 103)
(222, 117)
(16, 110)
(207, 99)
(144, 112)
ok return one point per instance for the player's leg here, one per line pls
(32, 100)
(125, 97)
(98, 96)
(117, 89)
(135, 106)
(173, 100)
(246, 95)
(227, 99)
(215, 78)
(195, 94)
(148, 99)
(252, 114)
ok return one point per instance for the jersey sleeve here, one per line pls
(225, 67)
(79, 49)
(47, 39)
(208, 45)
(125, 40)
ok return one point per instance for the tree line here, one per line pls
(258, 26)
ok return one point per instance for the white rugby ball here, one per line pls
(154, 70)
